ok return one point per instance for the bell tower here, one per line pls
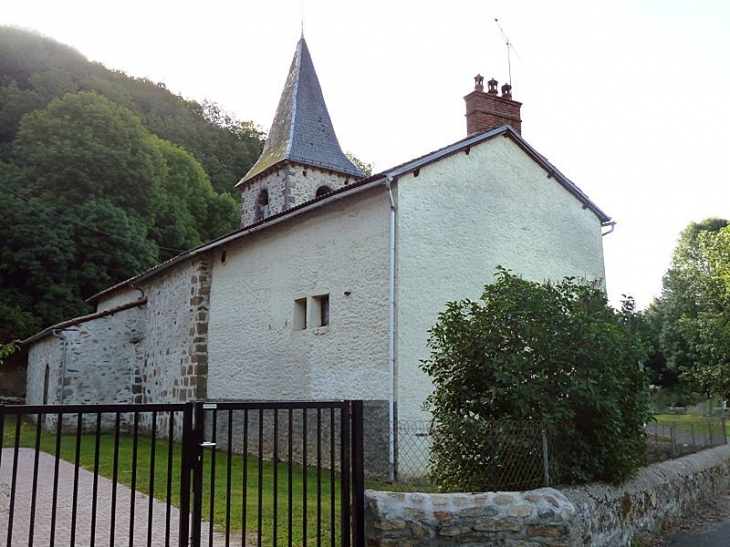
(302, 158)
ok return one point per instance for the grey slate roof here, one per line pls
(302, 131)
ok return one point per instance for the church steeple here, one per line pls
(302, 130)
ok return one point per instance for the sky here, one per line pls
(629, 98)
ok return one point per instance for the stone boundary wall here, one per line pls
(595, 515)
(656, 498)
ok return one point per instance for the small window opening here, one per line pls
(223, 257)
(262, 205)
(322, 190)
(45, 386)
(300, 314)
(322, 310)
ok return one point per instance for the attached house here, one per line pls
(330, 286)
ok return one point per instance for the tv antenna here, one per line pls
(509, 47)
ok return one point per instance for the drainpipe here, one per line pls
(62, 336)
(391, 335)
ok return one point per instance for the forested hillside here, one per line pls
(102, 175)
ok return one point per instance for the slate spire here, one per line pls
(302, 131)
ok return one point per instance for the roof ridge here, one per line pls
(302, 133)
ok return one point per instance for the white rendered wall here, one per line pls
(462, 217)
(340, 249)
(118, 298)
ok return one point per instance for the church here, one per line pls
(329, 288)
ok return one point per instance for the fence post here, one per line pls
(493, 438)
(186, 468)
(358, 475)
(724, 428)
(709, 429)
(674, 441)
(196, 456)
(545, 457)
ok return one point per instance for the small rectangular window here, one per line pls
(300, 314)
(322, 310)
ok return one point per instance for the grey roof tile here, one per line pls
(302, 131)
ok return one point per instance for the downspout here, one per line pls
(62, 336)
(391, 335)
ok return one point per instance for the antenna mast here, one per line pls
(509, 47)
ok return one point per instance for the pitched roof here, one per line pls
(302, 131)
(375, 180)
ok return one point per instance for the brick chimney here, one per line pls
(488, 110)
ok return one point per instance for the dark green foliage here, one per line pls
(692, 316)
(528, 351)
(102, 175)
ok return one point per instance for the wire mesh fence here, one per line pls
(519, 458)
(686, 434)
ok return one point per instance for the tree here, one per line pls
(707, 331)
(366, 168)
(91, 198)
(554, 352)
(691, 306)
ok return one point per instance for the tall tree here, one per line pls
(691, 306)
(91, 198)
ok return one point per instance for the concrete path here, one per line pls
(719, 536)
(78, 534)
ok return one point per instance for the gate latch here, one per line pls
(207, 444)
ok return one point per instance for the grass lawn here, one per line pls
(318, 503)
(690, 422)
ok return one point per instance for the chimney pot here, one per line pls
(492, 86)
(479, 82)
(507, 91)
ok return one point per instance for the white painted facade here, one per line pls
(462, 217)
(256, 351)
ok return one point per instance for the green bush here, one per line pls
(554, 352)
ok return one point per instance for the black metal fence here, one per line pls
(233, 474)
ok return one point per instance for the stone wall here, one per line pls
(594, 515)
(288, 185)
(516, 519)
(101, 355)
(658, 496)
(175, 365)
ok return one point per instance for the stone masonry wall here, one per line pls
(288, 186)
(658, 496)
(516, 519)
(101, 356)
(175, 364)
(595, 515)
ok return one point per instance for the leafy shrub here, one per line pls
(554, 352)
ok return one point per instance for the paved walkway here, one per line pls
(719, 536)
(144, 533)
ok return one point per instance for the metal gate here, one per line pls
(196, 474)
